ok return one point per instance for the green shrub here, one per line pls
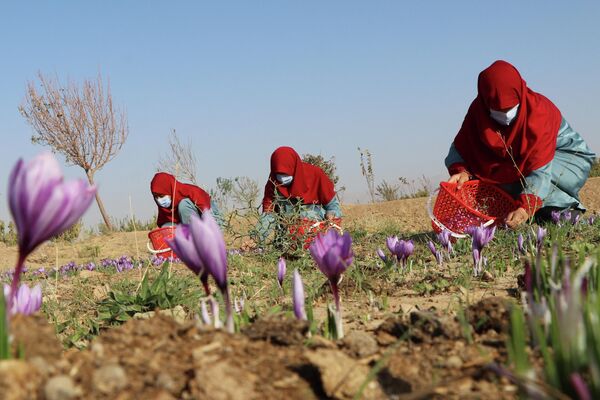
(595, 168)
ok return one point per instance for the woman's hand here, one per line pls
(516, 218)
(460, 178)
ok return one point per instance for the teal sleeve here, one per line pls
(214, 209)
(334, 207)
(453, 157)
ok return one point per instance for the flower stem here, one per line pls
(337, 315)
(228, 312)
(16, 279)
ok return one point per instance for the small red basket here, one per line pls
(307, 230)
(476, 203)
(158, 242)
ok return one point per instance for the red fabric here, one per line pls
(530, 202)
(310, 183)
(531, 137)
(166, 184)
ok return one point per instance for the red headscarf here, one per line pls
(166, 184)
(310, 183)
(530, 138)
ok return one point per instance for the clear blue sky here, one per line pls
(242, 77)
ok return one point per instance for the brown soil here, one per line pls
(427, 357)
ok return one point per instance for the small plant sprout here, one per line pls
(209, 246)
(281, 267)
(27, 301)
(183, 245)
(298, 296)
(480, 236)
(436, 253)
(333, 254)
(42, 206)
(404, 249)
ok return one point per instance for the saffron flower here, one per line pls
(183, 245)
(436, 253)
(298, 296)
(210, 252)
(404, 249)
(541, 234)
(332, 253)
(27, 300)
(555, 215)
(381, 255)
(480, 236)
(591, 219)
(391, 243)
(43, 205)
(281, 268)
(444, 237)
(521, 244)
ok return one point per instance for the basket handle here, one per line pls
(151, 249)
(440, 225)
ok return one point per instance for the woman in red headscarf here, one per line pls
(518, 139)
(177, 201)
(296, 185)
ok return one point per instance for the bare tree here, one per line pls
(180, 161)
(79, 122)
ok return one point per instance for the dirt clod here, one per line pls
(360, 344)
(61, 387)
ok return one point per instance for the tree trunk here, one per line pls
(90, 177)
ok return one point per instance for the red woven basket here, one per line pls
(476, 203)
(158, 241)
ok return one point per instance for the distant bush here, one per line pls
(405, 189)
(595, 168)
(72, 233)
(8, 236)
(327, 165)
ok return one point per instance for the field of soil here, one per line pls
(419, 334)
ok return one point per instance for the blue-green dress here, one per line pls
(558, 182)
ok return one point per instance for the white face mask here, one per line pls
(284, 179)
(504, 118)
(164, 201)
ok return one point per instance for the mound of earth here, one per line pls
(420, 355)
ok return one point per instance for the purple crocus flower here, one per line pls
(281, 267)
(575, 217)
(521, 244)
(444, 237)
(436, 253)
(541, 234)
(591, 219)
(209, 249)
(42, 205)
(298, 296)
(555, 215)
(183, 245)
(581, 388)
(481, 236)
(404, 249)
(381, 255)
(332, 253)
(566, 215)
(391, 243)
(26, 301)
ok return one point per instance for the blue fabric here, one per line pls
(314, 212)
(186, 208)
(558, 182)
